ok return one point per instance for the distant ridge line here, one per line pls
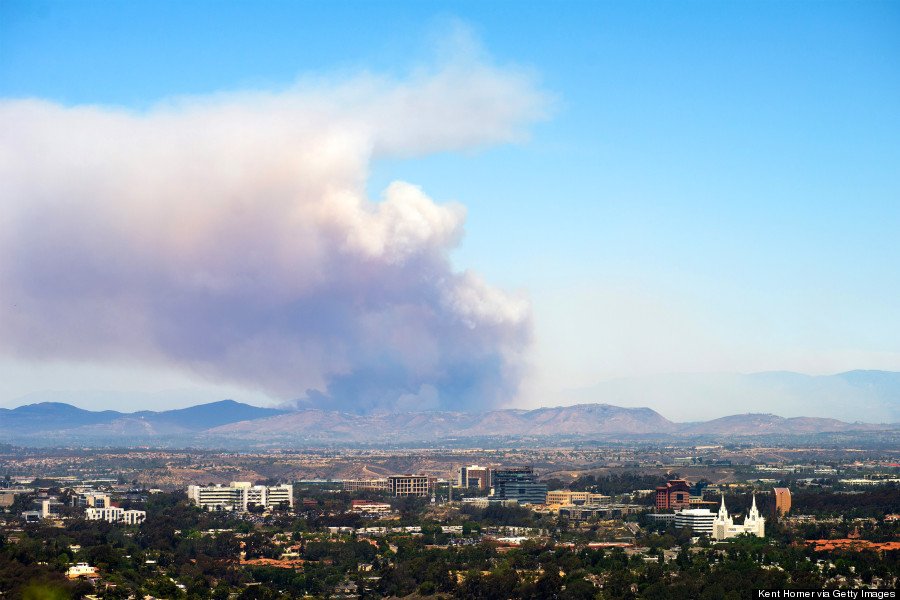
(227, 419)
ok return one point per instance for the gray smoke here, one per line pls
(231, 236)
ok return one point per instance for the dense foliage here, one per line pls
(184, 553)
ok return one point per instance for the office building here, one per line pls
(356, 485)
(114, 514)
(675, 494)
(565, 498)
(8, 496)
(279, 496)
(218, 497)
(47, 508)
(475, 477)
(410, 485)
(366, 507)
(667, 518)
(520, 484)
(240, 495)
(700, 520)
(91, 499)
(781, 501)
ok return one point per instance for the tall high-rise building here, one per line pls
(475, 476)
(781, 501)
(675, 494)
(520, 484)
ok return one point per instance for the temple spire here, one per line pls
(754, 513)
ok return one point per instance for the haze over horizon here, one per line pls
(413, 207)
(852, 397)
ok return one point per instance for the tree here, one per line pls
(578, 589)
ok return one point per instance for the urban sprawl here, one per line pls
(716, 521)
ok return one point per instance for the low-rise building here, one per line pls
(578, 513)
(45, 508)
(8, 496)
(278, 496)
(484, 502)
(566, 497)
(114, 514)
(81, 570)
(218, 497)
(668, 518)
(356, 485)
(92, 499)
(366, 507)
(239, 495)
(583, 512)
(410, 485)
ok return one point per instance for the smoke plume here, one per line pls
(231, 236)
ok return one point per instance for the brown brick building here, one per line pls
(675, 494)
(781, 501)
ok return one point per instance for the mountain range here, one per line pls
(57, 419)
(872, 396)
(593, 412)
(228, 422)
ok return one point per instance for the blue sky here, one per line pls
(709, 186)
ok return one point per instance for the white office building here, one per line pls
(278, 495)
(239, 495)
(114, 514)
(700, 520)
(81, 570)
(218, 497)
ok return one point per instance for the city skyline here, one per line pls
(415, 207)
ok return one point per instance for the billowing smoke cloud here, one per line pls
(231, 236)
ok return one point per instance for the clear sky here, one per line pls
(194, 197)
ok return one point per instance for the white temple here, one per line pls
(724, 527)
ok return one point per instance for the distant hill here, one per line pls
(226, 419)
(871, 396)
(57, 419)
(214, 414)
(584, 420)
(765, 424)
(745, 400)
(50, 416)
